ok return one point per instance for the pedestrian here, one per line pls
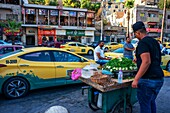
(99, 54)
(149, 78)
(128, 49)
(163, 51)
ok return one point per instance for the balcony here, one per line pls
(152, 19)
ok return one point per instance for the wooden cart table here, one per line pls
(116, 97)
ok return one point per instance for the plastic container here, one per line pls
(120, 76)
(99, 102)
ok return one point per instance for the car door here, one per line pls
(65, 63)
(38, 68)
(82, 48)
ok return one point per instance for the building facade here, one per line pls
(10, 10)
(54, 24)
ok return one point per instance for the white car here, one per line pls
(3, 43)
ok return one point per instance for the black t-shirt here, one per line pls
(148, 44)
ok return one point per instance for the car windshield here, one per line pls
(134, 41)
(11, 53)
(120, 50)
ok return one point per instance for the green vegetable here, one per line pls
(120, 64)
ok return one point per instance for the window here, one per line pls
(113, 44)
(6, 50)
(42, 56)
(168, 16)
(18, 48)
(12, 17)
(120, 50)
(65, 57)
(81, 45)
(72, 44)
(168, 26)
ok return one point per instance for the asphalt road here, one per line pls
(70, 97)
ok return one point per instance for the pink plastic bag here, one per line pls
(76, 73)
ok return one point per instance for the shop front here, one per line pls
(46, 34)
(12, 35)
(31, 36)
(75, 35)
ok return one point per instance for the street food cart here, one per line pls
(116, 97)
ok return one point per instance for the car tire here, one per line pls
(168, 66)
(90, 52)
(15, 88)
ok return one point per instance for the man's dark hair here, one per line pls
(142, 31)
(100, 42)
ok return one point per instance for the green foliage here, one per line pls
(161, 4)
(39, 2)
(12, 25)
(129, 4)
(120, 64)
(70, 3)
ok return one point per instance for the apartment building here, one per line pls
(52, 23)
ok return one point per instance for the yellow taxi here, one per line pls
(112, 46)
(38, 67)
(78, 48)
(167, 45)
(165, 64)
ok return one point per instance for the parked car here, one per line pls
(78, 48)
(165, 64)
(17, 42)
(4, 43)
(9, 48)
(112, 46)
(93, 44)
(37, 67)
(135, 42)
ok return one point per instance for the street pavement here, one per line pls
(38, 101)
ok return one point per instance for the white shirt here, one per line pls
(98, 50)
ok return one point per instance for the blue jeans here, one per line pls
(129, 57)
(147, 92)
(102, 62)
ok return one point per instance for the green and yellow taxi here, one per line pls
(78, 48)
(165, 64)
(38, 67)
(112, 46)
(167, 45)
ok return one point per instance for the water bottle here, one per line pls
(99, 101)
(120, 76)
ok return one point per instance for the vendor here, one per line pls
(99, 54)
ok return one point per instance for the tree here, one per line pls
(129, 4)
(39, 2)
(161, 4)
(70, 3)
(13, 26)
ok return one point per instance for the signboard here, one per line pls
(64, 13)
(75, 33)
(61, 32)
(89, 33)
(153, 30)
(8, 32)
(42, 12)
(81, 14)
(90, 15)
(54, 12)
(30, 31)
(30, 11)
(72, 13)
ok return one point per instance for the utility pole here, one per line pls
(163, 21)
(101, 34)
